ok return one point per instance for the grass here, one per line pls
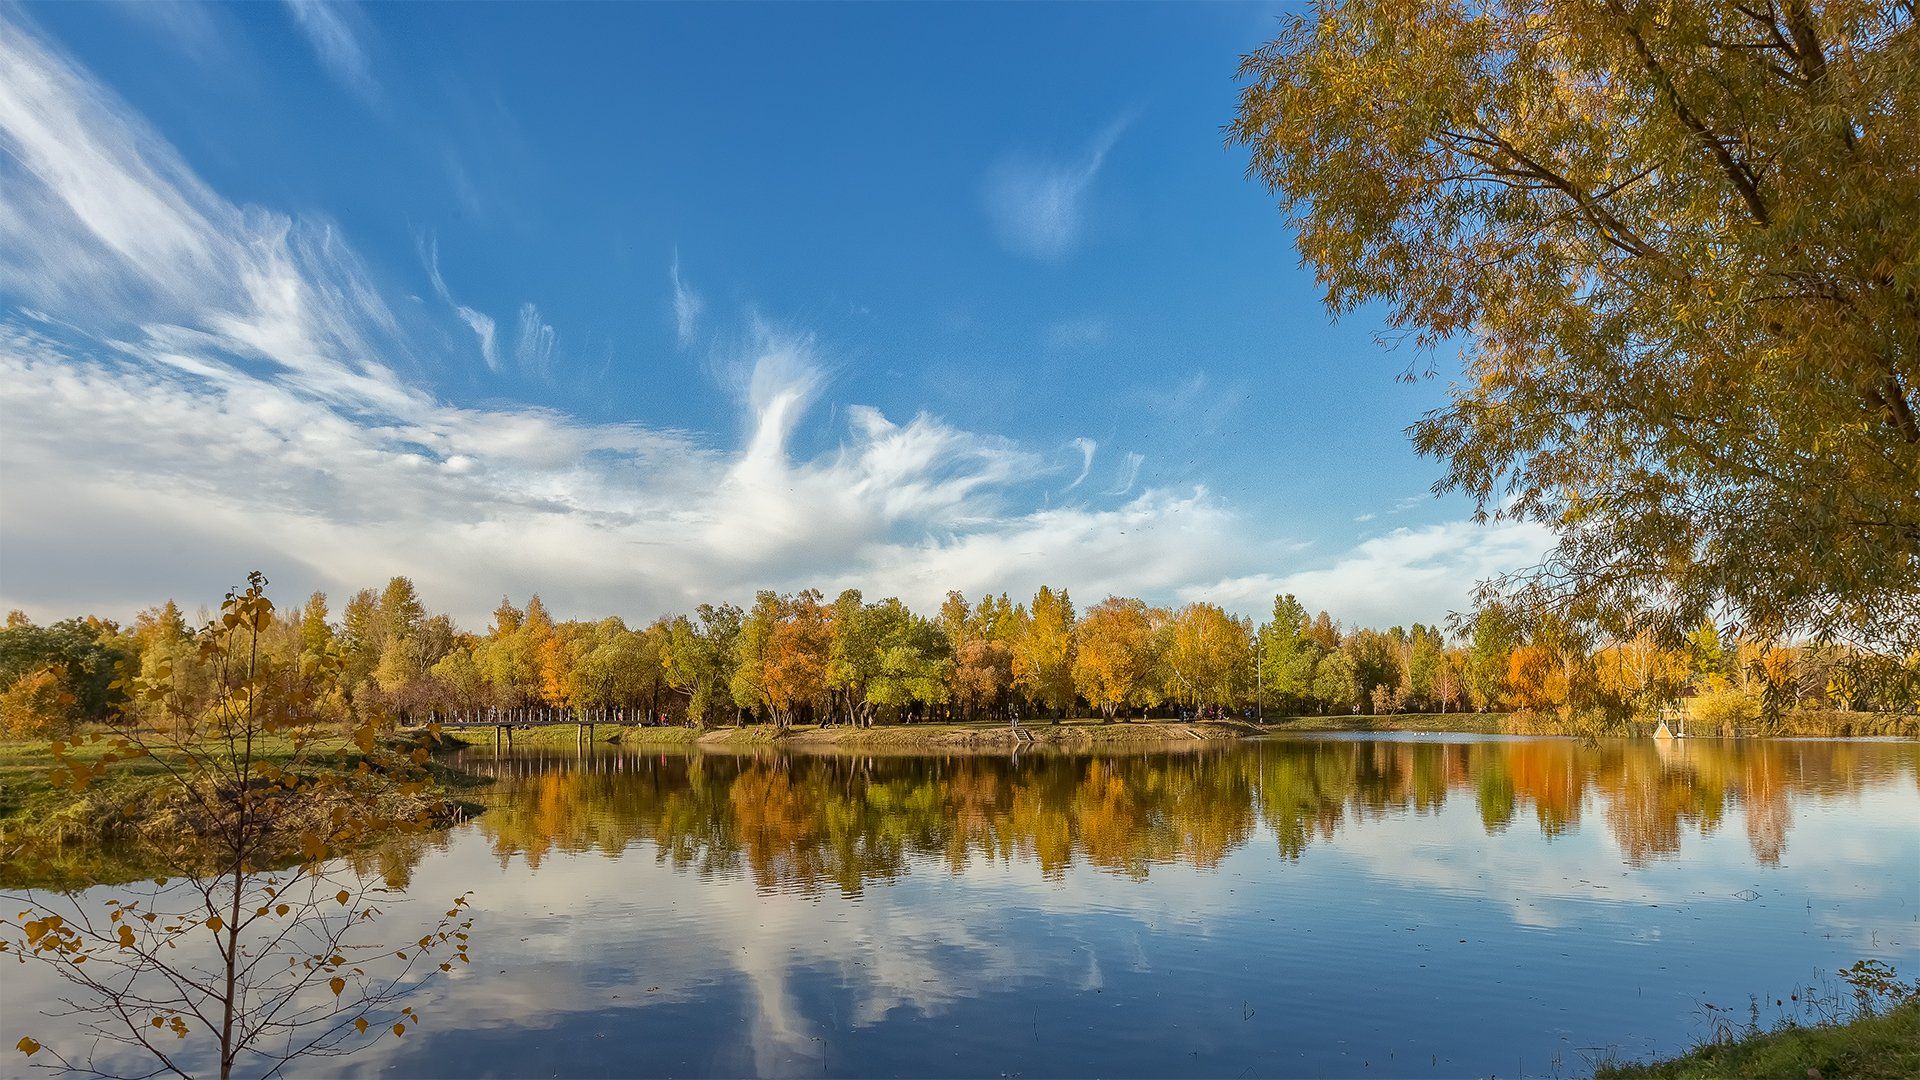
(55, 836)
(1456, 722)
(1879, 1046)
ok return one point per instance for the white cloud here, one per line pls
(479, 322)
(1037, 205)
(188, 25)
(1408, 575)
(687, 305)
(1087, 448)
(1129, 473)
(1074, 334)
(533, 345)
(337, 31)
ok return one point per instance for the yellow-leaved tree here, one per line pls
(1114, 658)
(1676, 242)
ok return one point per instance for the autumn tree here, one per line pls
(1336, 683)
(1376, 660)
(1675, 242)
(1637, 675)
(37, 705)
(1209, 655)
(859, 633)
(981, 676)
(85, 653)
(1043, 651)
(1114, 664)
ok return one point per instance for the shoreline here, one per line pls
(1084, 732)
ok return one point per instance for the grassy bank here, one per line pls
(1454, 723)
(120, 826)
(1810, 723)
(983, 735)
(1092, 731)
(1884, 1046)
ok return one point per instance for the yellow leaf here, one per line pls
(214, 924)
(336, 984)
(27, 1046)
(399, 1029)
(126, 936)
(360, 1024)
(341, 896)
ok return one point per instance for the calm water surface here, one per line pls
(1412, 906)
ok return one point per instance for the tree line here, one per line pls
(800, 658)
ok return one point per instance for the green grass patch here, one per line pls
(1882, 1046)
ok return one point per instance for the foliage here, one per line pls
(37, 705)
(1674, 240)
(1115, 664)
(85, 651)
(1726, 711)
(1043, 648)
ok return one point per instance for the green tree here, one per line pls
(699, 657)
(1336, 683)
(1288, 656)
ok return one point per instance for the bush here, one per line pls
(1723, 712)
(37, 705)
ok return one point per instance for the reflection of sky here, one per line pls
(1405, 944)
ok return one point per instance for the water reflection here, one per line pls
(1291, 907)
(813, 822)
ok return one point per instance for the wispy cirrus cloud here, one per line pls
(687, 305)
(1129, 474)
(533, 343)
(479, 322)
(1037, 205)
(339, 34)
(1087, 448)
(1074, 334)
(187, 24)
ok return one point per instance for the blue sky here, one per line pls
(639, 305)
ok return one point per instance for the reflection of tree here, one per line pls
(810, 823)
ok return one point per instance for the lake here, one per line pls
(1288, 906)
